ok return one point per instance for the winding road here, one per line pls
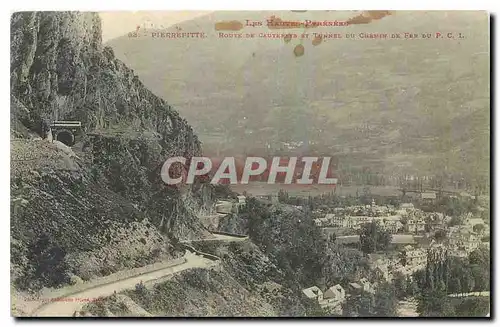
(67, 305)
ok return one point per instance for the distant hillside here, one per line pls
(394, 106)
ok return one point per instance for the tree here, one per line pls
(310, 203)
(51, 266)
(283, 196)
(411, 287)
(343, 265)
(374, 238)
(455, 221)
(360, 305)
(454, 285)
(331, 238)
(480, 256)
(440, 235)
(478, 228)
(314, 310)
(385, 301)
(481, 276)
(473, 307)
(435, 303)
(381, 304)
(366, 197)
(467, 282)
(400, 285)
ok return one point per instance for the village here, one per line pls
(415, 234)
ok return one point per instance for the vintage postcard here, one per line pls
(285, 163)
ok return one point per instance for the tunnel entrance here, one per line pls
(66, 137)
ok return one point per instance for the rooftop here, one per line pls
(312, 292)
(348, 239)
(403, 239)
(475, 221)
(429, 195)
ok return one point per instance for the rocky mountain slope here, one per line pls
(101, 205)
(245, 283)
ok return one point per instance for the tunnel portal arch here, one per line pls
(65, 136)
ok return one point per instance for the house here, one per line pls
(467, 195)
(471, 222)
(321, 222)
(471, 243)
(457, 232)
(400, 239)
(335, 220)
(436, 221)
(324, 221)
(463, 239)
(409, 270)
(420, 226)
(428, 196)
(343, 222)
(347, 239)
(333, 299)
(242, 200)
(415, 226)
(313, 293)
(355, 222)
(413, 257)
(335, 293)
(355, 288)
(393, 218)
(411, 226)
(223, 207)
(367, 285)
(407, 206)
(392, 224)
(455, 252)
(359, 220)
(380, 265)
(349, 223)
(241, 203)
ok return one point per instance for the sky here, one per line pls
(118, 23)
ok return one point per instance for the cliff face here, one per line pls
(82, 206)
(60, 70)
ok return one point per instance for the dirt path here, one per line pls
(66, 306)
(227, 238)
(219, 237)
(407, 308)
